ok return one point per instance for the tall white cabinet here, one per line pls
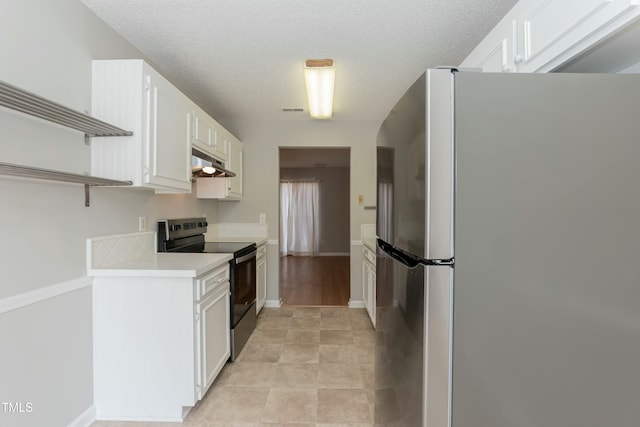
(131, 94)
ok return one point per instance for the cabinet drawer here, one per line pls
(212, 280)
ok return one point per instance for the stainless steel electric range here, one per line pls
(187, 236)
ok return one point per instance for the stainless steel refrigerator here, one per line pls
(508, 266)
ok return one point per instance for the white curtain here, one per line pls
(299, 218)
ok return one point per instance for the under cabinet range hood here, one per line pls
(205, 166)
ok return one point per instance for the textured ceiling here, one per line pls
(242, 59)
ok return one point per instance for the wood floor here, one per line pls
(321, 280)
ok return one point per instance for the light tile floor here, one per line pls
(303, 366)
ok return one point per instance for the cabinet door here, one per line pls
(213, 323)
(372, 295)
(235, 165)
(554, 31)
(496, 52)
(369, 283)
(261, 283)
(219, 142)
(365, 285)
(168, 154)
(202, 132)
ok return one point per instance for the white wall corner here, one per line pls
(85, 419)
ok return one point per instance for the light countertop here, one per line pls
(163, 265)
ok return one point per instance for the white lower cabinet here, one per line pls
(369, 282)
(261, 277)
(213, 326)
(159, 343)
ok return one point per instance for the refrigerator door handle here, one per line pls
(411, 260)
(448, 262)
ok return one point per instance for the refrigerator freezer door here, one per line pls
(401, 173)
(546, 295)
(439, 165)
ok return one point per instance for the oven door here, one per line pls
(243, 283)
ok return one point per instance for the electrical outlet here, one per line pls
(263, 218)
(360, 198)
(142, 223)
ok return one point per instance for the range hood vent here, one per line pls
(202, 164)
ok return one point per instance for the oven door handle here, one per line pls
(246, 257)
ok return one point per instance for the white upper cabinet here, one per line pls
(555, 31)
(224, 188)
(158, 155)
(496, 52)
(542, 35)
(235, 165)
(206, 135)
(203, 131)
(219, 145)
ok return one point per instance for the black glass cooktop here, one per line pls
(235, 248)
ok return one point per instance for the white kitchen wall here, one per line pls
(262, 140)
(46, 348)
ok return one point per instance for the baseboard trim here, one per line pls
(85, 419)
(37, 295)
(356, 304)
(272, 303)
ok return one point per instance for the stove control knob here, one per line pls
(175, 227)
(203, 224)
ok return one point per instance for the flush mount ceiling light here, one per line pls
(319, 77)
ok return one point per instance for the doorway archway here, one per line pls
(320, 277)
